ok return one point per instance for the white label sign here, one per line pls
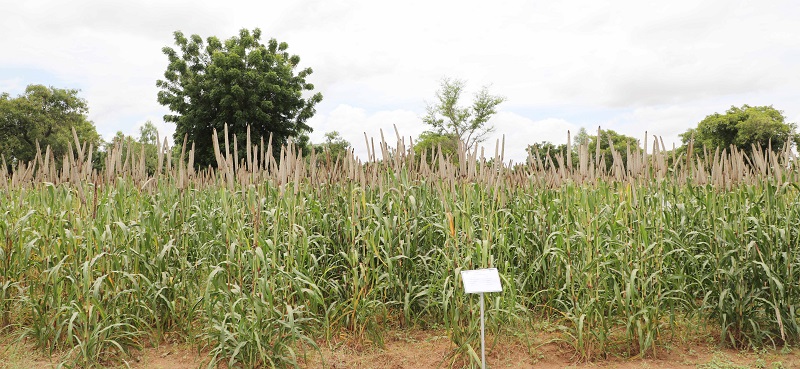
(481, 280)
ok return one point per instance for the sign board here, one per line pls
(481, 280)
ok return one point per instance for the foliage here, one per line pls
(431, 143)
(722, 362)
(546, 152)
(744, 127)
(43, 115)
(148, 134)
(621, 144)
(240, 82)
(334, 146)
(469, 124)
(581, 138)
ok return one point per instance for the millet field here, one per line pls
(257, 262)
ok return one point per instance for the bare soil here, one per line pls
(433, 349)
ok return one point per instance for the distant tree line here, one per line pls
(745, 128)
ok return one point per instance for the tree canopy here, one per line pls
(470, 123)
(608, 139)
(744, 127)
(45, 115)
(540, 152)
(240, 82)
(431, 142)
(334, 145)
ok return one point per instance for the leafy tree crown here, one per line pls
(239, 82)
(43, 115)
(744, 127)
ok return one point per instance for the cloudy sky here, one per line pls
(631, 66)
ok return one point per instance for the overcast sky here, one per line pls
(631, 66)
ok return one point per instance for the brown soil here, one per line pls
(432, 349)
(168, 357)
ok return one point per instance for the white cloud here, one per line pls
(659, 67)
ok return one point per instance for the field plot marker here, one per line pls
(481, 281)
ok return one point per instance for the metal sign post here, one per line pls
(483, 340)
(480, 281)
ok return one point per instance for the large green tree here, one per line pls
(45, 115)
(744, 127)
(240, 82)
(467, 123)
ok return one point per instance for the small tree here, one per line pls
(148, 133)
(146, 143)
(540, 152)
(148, 139)
(334, 145)
(581, 138)
(469, 124)
(619, 141)
(430, 142)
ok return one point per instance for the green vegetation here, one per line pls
(467, 124)
(722, 363)
(610, 143)
(41, 118)
(545, 152)
(334, 146)
(259, 260)
(241, 83)
(763, 127)
(429, 143)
